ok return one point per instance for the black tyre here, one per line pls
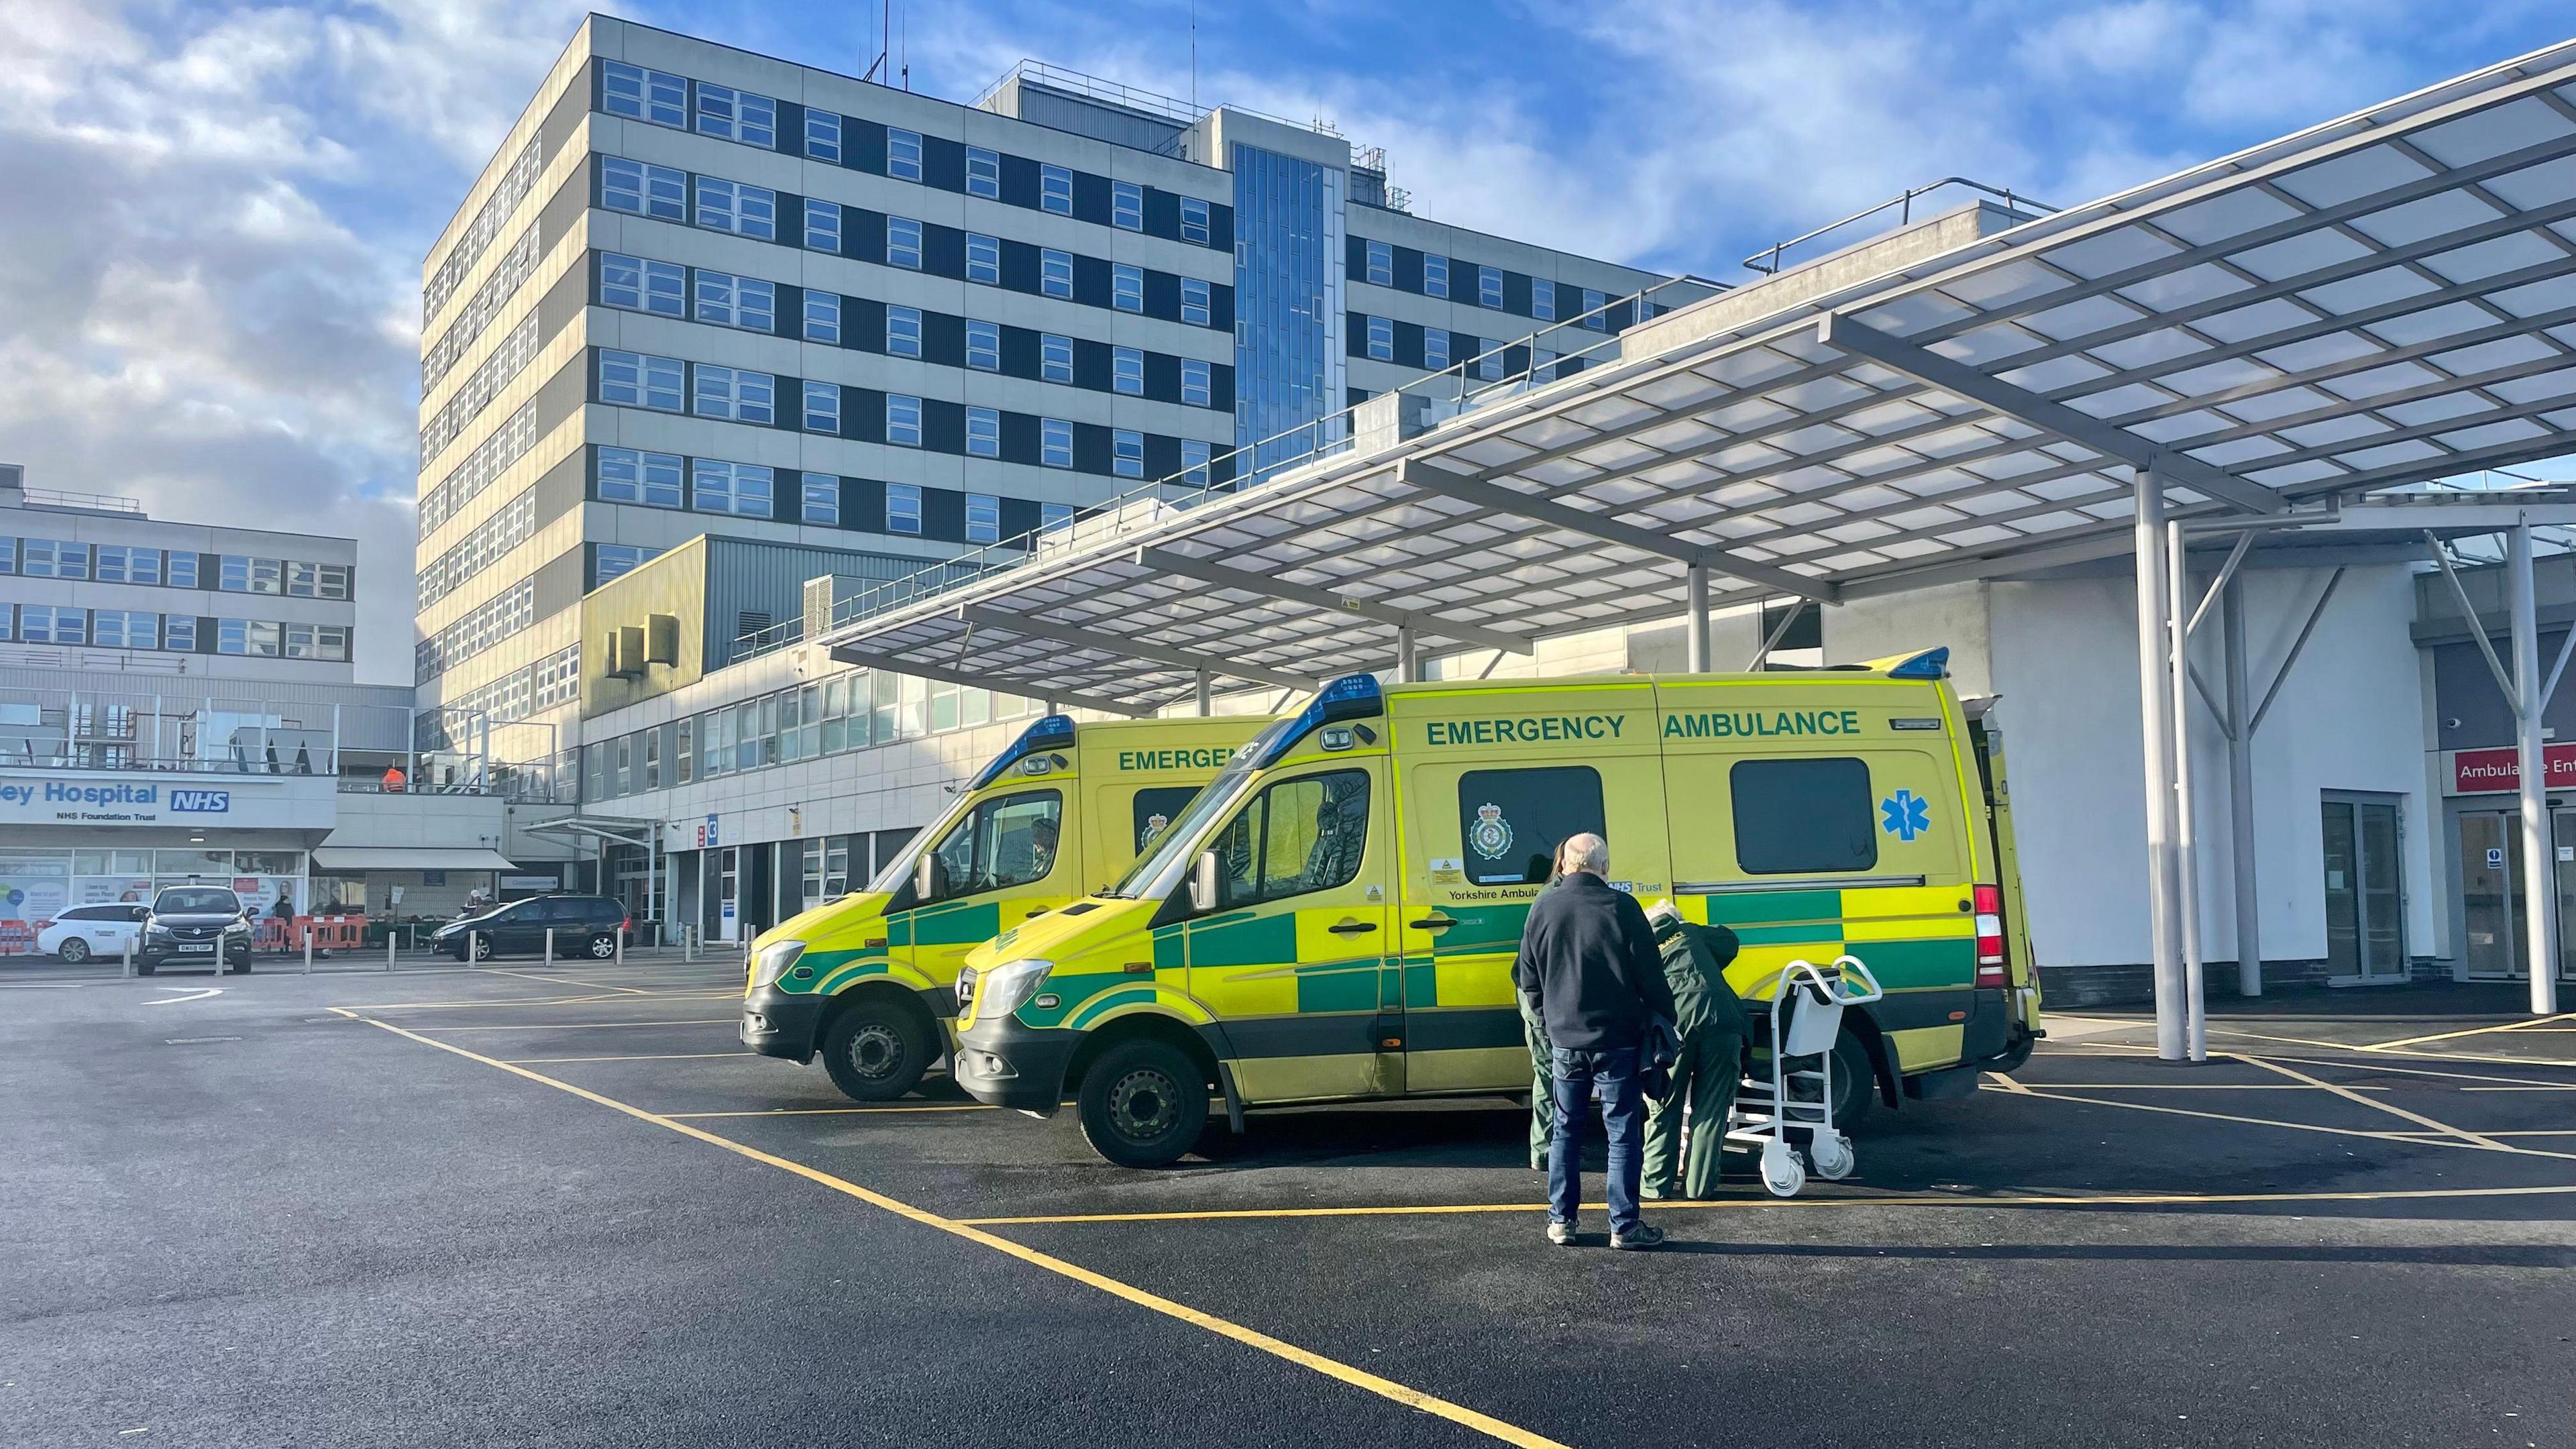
(240, 967)
(600, 948)
(72, 951)
(146, 968)
(877, 1048)
(1144, 1104)
(1855, 1083)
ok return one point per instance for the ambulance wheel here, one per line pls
(1143, 1104)
(876, 1050)
(1781, 1174)
(1833, 1156)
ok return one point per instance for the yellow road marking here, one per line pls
(2373, 1054)
(640, 1057)
(595, 985)
(2527, 1087)
(826, 1111)
(2349, 1095)
(2005, 1082)
(1385, 1388)
(1757, 1203)
(2195, 1087)
(2415, 1137)
(2381, 1046)
(586, 1025)
(2375, 1065)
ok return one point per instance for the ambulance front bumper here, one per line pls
(1006, 1063)
(778, 1023)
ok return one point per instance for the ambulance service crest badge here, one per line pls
(1491, 835)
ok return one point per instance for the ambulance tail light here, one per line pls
(1990, 937)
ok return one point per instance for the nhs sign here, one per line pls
(201, 802)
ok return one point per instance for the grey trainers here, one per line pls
(1560, 1233)
(1643, 1235)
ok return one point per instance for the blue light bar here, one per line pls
(1930, 664)
(1353, 696)
(1053, 732)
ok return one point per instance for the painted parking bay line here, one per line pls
(1385, 1388)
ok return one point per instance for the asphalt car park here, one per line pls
(531, 1205)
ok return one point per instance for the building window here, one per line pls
(642, 286)
(629, 476)
(1126, 206)
(903, 420)
(731, 301)
(1055, 357)
(1055, 442)
(54, 624)
(238, 636)
(44, 558)
(1194, 383)
(1055, 272)
(644, 190)
(645, 95)
(1435, 347)
(983, 345)
(822, 225)
(983, 432)
(1194, 220)
(1489, 364)
(236, 574)
(1542, 299)
(1435, 275)
(1127, 371)
(903, 331)
(823, 317)
(179, 631)
(1381, 338)
(632, 379)
(1052, 516)
(1594, 316)
(820, 500)
(823, 136)
(737, 393)
(616, 560)
(1489, 287)
(119, 564)
(823, 408)
(983, 259)
(743, 210)
(1194, 461)
(903, 508)
(121, 629)
(737, 116)
(1381, 264)
(903, 154)
(1127, 453)
(183, 569)
(1194, 302)
(1126, 288)
(317, 581)
(1055, 190)
(983, 172)
(1543, 364)
(983, 518)
(740, 489)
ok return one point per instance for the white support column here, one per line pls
(2186, 837)
(2155, 719)
(1695, 588)
(2539, 869)
(1404, 661)
(2240, 792)
(1206, 703)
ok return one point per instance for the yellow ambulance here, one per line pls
(864, 981)
(1334, 917)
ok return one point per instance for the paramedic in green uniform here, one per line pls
(1713, 1029)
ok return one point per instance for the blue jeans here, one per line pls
(1623, 1111)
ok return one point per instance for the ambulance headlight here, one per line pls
(1007, 987)
(773, 961)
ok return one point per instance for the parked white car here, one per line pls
(86, 931)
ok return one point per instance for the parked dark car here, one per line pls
(583, 926)
(190, 925)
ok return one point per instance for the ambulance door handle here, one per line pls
(1351, 928)
(1432, 923)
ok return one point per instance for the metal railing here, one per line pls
(100, 502)
(1767, 261)
(766, 641)
(1092, 87)
(1508, 369)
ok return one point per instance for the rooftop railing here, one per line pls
(1770, 260)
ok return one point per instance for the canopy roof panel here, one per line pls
(2383, 299)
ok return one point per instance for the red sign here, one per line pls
(2499, 770)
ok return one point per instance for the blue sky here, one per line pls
(211, 257)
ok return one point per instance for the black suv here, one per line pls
(190, 925)
(583, 926)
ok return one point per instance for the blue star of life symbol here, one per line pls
(1906, 815)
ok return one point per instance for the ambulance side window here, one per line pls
(1157, 808)
(1300, 835)
(1007, 841)
(1511, 821)
(1801, 815)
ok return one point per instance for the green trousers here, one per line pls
(1705, 1077)
(1542, 1084)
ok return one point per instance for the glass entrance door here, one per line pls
(2490, 888)
(2365, 898)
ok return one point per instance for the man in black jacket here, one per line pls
(1588, 959)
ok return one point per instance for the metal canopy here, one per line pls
(2383, 299)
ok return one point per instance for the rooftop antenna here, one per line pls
(1194, 54)
(885, 21)
(904, 33)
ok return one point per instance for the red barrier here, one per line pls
(18, 938)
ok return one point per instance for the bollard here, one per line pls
(688, 943)
(473, 946)
(550, 945)
(308, 950)
(129, 955)
(621, 943)
(389, 948)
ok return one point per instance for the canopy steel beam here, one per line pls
(1896, 355)
(1610, 530)
(1111, 644)
(1025, 688)
(1226, 576)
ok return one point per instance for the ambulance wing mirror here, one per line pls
(924, 872)
(1203, 882)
